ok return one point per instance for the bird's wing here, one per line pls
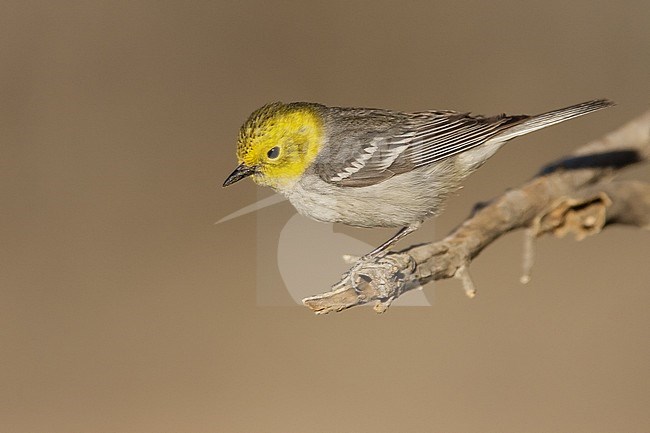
(416, 140)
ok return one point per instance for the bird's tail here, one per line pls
(540, 121)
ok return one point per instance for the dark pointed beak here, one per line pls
(240, 172)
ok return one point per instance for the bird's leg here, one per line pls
(383, 248)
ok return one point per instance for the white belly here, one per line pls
(399, 201)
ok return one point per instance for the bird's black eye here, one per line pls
(273, 153)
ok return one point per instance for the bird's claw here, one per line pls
(379, 277)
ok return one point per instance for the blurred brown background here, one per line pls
(123, 308)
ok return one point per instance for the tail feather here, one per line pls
(540, 121)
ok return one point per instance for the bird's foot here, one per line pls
(379, 276)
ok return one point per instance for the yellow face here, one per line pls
(279, 141)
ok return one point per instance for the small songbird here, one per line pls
(373, 167)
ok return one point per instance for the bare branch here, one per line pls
(573, 195)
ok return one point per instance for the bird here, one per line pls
(370, 167)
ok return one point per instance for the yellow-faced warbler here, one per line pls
(372, 167)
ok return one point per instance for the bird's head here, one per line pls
(278, 143)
